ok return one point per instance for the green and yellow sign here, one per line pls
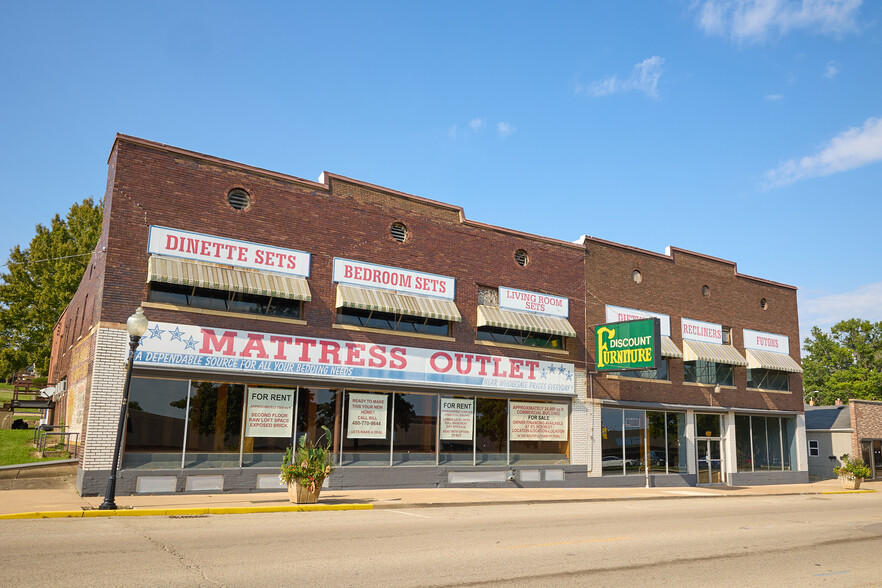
(629, 345)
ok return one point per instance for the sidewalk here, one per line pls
(63, 500)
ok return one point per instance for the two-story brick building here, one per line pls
(437, 351)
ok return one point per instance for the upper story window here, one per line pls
(709, 372)
(225, 301)
(768, 379)
(516, 327)
(375, 319)
(727, 335)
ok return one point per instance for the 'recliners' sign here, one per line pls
(629, 345)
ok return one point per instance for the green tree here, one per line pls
(844, 363)
(39, 283)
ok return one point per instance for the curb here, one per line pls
(223, 510)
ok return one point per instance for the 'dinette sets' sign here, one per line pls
(629, 345)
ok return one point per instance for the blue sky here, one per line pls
(746, 130)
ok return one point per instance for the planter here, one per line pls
(302, 495)
(850, 483)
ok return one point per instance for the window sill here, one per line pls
(765, 391)
(629, 379)
(240, 315)
(699, 385)
(391, 332)
(523, 347)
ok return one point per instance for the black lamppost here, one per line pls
(136, 326)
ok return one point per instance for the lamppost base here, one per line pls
(107, 506)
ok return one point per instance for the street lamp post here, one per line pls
(136, 327)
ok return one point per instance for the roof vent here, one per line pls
(399, 232)
(239, 199)
(521, 257)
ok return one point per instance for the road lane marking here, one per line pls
(565, 542)
(834, 573)
(410, 514)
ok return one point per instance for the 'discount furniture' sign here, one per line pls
(630, 345)
(216, 349)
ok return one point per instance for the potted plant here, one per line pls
(305, 468)
(852, 472)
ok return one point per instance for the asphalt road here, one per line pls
(830, 540)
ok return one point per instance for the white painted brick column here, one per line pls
(580, 422)
(801, 444)
(108, 379)
(690, 442)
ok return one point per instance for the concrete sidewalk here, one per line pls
(62, 500)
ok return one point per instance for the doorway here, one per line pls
(710, 461)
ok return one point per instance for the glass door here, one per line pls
(877, 459)
(710, 463)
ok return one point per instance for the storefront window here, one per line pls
(366, 428)
(413, 439)
(214, 425)
(518, 337)
(676, 442)
(760, 444)
(393, 322)
(708, 372)
(707, 425)
(457, 430)
(539, 433)
(317, 408)
(773, 432)
(743, 455)
(658, 443)
(267, 451)
(788, 436)
(635, 437)
(768, 379)
(612, 441)
(157, 418)
(658, 374)
(491, 422)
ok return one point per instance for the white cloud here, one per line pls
(774, 97)
(505, 129)
(757, 20)
(832, 70)
(864, 302)
(476, 124)
(644, 78)
(856, 147)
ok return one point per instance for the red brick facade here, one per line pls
(866, 422)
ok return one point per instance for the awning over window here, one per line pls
(669, 348)
(772, 361)
(171, 270)
(491, 316)
(388, 301)
(697, 350)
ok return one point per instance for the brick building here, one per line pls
(439, 351)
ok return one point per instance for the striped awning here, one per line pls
(491, 316)
(389, 301)
(772, 361)
(697, 350)
(171, 270)
(669, 348)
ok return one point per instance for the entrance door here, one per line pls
(877, 459)
(710, 463)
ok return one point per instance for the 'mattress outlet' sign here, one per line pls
(631, 345)
(199, 247)
(191, 347)
(359, 273)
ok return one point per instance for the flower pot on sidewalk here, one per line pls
(301, 494)
(851, 483)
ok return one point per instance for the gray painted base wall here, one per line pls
(245, 480)
(767, 478)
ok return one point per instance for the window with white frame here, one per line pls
(814, 450)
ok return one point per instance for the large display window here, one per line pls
(632, 438)
(764, 444)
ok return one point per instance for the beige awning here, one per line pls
(772, 361)
(697, 350)
(389, 301)
(492, 316)
(185, 272)
(669, 348)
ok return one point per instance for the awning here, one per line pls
(772, 361)
(172, 270)
(389, 301)
(491, 316)
(697, 350)
(669, 348)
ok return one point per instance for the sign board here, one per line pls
(702, 331)
(630, 345)
(538, 421)
(524, 301)
(199, 247)
(194, 348)
(405, 281)
(618, 314)
(457, 419)
(766, 342)
(366, 415)
(270, 412)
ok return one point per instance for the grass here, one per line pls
(16, 447)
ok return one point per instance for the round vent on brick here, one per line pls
(637, 276)
(239, 199)
(521, 257)
(764, 304)
(399, 232)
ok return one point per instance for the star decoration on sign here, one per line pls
(176, 335)
(156, 332)
(190, 344)
(569, 376)
(543, 373)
